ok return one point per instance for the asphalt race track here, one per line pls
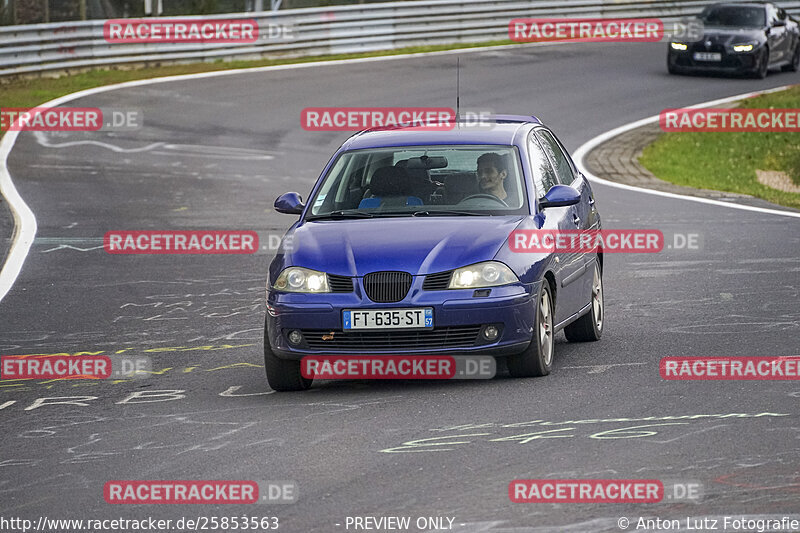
(215, 152)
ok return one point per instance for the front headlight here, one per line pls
(299, 279)
(679, 46)
(486, 274)
(745, 47)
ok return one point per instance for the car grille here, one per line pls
(437, 282)
(701, 47)
(340, 283)
(387, 287)
(445, 337)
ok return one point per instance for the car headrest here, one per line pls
(390, 181)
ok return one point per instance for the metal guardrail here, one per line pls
(38, 48)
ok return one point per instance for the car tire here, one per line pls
(283, 374)
(589, 327)
(537, 359)
(794, 66)
(762, 69)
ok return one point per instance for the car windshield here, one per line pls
(738, 16)
(463, 180)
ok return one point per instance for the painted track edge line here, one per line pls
(583, 150)
(24, 220)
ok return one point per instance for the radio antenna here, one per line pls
(458, 86)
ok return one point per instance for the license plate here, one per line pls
(407, 318)
(707, 56)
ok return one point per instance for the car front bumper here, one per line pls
(731, 62)
(458, 318)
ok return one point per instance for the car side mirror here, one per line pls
(290, 203)
(779, 23)
(560, 196)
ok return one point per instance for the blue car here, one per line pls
(403, 249)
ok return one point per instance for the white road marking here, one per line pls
(42, 139)
(599, 369)
(24, 219)
(70, 247)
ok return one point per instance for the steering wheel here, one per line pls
(484, 197)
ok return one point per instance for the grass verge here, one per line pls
(727, 161)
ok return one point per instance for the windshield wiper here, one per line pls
(445, 212)
(347, 213)
(341, 214)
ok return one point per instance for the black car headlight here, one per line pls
(680, 47)
(486, 274)
(299, 279)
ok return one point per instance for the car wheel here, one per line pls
(537, 359)
(589, 327)
(763, 65)
(283, 374)
(794, 66)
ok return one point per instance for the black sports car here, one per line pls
(743, 38)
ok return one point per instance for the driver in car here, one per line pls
(492, 173)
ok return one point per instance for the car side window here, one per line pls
(557, 157)
(543, 175)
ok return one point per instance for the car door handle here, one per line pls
(591, 200)
(576, 219)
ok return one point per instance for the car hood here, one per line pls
(419, 245)
(727, 35)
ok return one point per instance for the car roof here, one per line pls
(502, 132)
